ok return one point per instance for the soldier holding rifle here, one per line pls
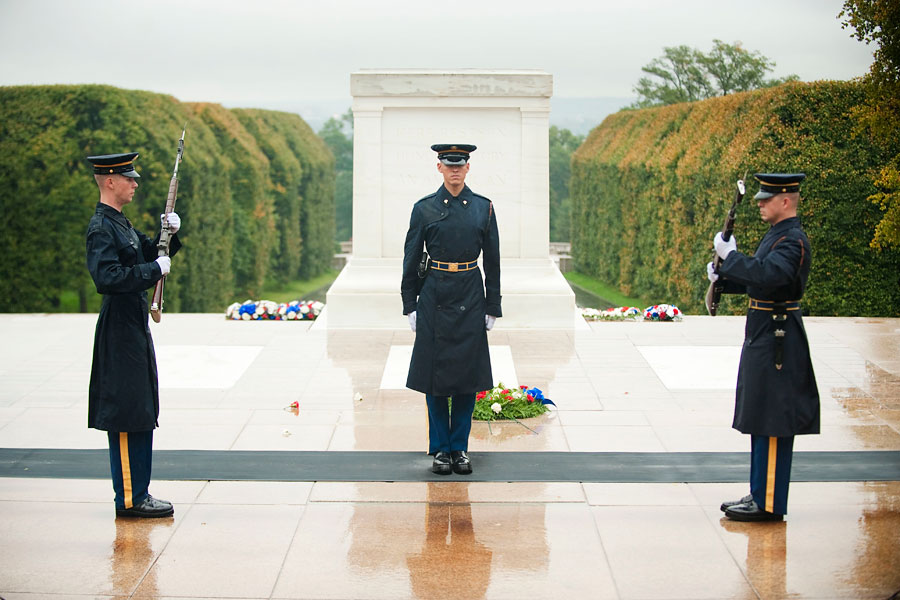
(776, 397)
(124, 394)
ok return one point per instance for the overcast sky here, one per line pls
(273, 53)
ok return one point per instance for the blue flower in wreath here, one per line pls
(539, 395)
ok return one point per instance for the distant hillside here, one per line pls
(578, 115)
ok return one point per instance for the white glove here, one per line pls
(174, 221)
(412, 320)
(723, 248)
(164, 263)
(489, 321)
(711, 272)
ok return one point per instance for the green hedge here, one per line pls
(249, 185)
(650, 188)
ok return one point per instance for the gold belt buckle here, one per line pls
(453, 267)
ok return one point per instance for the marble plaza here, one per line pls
(620, 387)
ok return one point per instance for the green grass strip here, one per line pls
(296, 290)
(602, 290)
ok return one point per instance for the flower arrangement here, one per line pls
(266, 310)
(620, 313)
(662, 312)
(501, 402)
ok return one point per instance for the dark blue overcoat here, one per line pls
(769, 401)
(124, 392)
(450, 355)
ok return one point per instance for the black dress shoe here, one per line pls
(750, 511)
(149, 508)
(461, 463)
(729, 503)
(441, 464)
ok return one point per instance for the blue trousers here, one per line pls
(448, 429)
(770, 472)
(130, 459)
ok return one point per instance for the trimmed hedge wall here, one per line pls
(651, 187)
(256, 192)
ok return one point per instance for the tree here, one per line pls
(562, 144)
(337, 133)
(878, 21)
(686, 74)
(680, 78)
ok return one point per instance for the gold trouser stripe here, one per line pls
(126, 469)
(770, 476)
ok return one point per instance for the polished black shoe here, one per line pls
(730, 503)
(461, 463)
(441, 464)
(750, 511)
(149, 508)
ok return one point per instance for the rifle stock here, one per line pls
(165, 235)
(714, 291)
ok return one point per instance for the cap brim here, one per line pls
(761, 195)
(454, 162)
(133, 174)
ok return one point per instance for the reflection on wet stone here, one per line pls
(766, 555)
(452, 563)
(877, 565)
(132, 555)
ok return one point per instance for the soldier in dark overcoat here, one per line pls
(777, 397)
(124, 393)
(450, 306)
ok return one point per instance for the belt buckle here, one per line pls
(453, 267)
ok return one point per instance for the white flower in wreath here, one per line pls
(496, 407)
(231, 311)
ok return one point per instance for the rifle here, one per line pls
(714, 292)
(165, 236)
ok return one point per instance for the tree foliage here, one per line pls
(562, 144)
(255, 193)
(684, 74)
(878, 22)
(650, 187)
(337, 133)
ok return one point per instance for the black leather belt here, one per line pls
(773, 305)
(453, 267)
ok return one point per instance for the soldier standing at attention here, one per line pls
(776, 397)
(124, 392)
(449, 306)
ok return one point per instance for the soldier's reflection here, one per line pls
(452, 562)
(766, 555)
(132, 555)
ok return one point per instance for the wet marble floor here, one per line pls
(619, 387)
